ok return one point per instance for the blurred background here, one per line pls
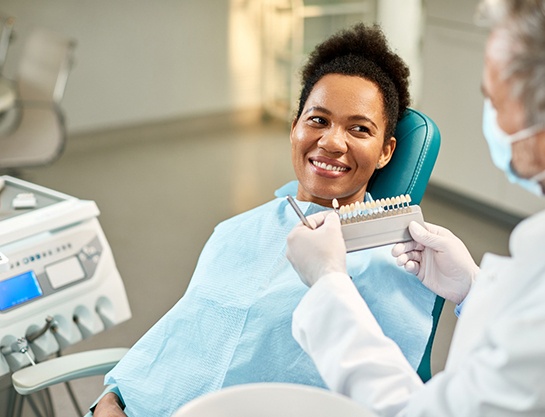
(174, 115)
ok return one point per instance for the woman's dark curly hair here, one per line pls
(361, 51)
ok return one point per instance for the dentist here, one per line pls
(496, 360)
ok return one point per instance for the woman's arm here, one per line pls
(109, 406)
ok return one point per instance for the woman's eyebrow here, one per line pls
(358, 117)
(318, 108)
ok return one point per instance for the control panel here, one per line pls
(59, 283)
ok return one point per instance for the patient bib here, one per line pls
(233, 325)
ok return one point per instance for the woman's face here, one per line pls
(338, 141)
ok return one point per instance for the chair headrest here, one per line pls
(409, 170)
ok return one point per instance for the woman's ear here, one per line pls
(293, 123)
(387, 152)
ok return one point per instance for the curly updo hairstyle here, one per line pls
(361, 51)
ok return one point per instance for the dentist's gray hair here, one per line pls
(522, 24)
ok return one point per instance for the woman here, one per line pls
(233, 325)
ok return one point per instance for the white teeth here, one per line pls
(329, 167)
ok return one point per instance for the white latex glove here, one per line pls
(439, 259)
(315, 253)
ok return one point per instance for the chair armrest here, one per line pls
(66, 368)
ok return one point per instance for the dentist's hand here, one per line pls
(439, 259)
(315, 253)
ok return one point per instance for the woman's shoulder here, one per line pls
(255, 214)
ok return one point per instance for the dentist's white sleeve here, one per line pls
(334, 325)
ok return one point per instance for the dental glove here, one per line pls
(439, 259)
(316, 253)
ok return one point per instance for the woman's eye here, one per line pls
(318, 119)
(362, 129)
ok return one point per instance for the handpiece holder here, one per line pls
(385, 224)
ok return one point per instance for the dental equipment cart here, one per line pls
(58, 280)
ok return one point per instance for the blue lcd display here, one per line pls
(19, 289)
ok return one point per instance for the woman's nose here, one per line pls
(333, 141)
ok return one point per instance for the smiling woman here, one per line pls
(354, 92)
(233, 325)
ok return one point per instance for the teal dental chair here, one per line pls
(408, 172)
(418, 141)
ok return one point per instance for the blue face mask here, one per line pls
(500, 143)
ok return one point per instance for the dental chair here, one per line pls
(418, 141)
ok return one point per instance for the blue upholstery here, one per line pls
(418, 141)
(410, 168)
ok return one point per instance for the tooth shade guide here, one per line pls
(378, 223)
(384, 207)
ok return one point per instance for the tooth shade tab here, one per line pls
(361, 211)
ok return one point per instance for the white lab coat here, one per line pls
(496, 363)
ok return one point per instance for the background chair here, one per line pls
(272, 400)
(6, 30)
(34, 132)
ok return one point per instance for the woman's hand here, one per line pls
(109, 406)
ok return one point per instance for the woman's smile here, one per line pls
(327, 167)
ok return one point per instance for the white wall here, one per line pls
(402, 21)
(452, 66)
(140, 61)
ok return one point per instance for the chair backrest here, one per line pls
(272, 400)
(418, 142)
(409, 170)
(44, 66)
(39, 138)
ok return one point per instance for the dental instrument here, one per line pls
(299, 212)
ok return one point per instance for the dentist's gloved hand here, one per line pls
(439, 259)
(315, 253)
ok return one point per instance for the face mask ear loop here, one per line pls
(526, 133)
